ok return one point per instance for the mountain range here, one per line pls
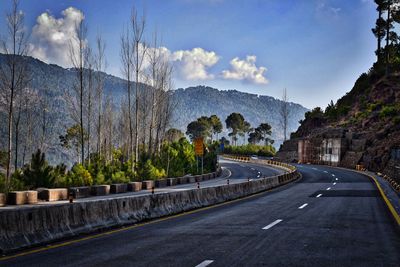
(189, 103)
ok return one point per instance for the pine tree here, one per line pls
(379, 30)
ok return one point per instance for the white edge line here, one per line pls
(303, 206)
(230, 173)
(272, 224)
(205, 263)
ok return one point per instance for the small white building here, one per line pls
(332, 150)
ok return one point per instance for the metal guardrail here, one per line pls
(289, 176)
(261, 161)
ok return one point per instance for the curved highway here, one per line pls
(331, 217)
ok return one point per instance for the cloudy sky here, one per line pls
(314, 48)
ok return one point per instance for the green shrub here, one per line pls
(99, 179)
(2, 183)
(343, 110)
(388, 111)
(119, 177)
(362, 115)
(16, 181)
(372, 107)
(150, 172)
(3, 158)
(265, 151)
(38, 173)
(79, 176)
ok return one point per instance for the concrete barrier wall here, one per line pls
(21, 228)
(53, 194)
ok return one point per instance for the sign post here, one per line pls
(199, 150)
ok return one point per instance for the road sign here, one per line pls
(198, 146)
(222, 147)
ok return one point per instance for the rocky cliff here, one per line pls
(367, 120)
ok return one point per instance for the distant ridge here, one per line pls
(194, 102)
(190, 103)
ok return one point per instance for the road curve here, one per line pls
(331, 217)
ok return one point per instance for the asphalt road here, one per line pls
(331, 217)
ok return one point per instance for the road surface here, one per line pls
(331, 217)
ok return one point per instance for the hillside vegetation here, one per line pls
(189, 104)
(370, 111)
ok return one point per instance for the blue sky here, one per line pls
(314, 48)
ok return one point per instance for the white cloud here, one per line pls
(323, 9)
(193, 64)
(246, 70)
(51, 37)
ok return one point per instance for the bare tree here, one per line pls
(30, 123)
(13, 72)
(284, 112)
(100, 66)
(77, 56)
(164, 103)
(89, 65)
(127, 70)
(108, 115)
(25, 105)
(154, 59)
(139, 50)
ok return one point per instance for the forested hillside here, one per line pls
(194, 102)
(49, 84)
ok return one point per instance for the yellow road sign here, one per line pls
(198, 146)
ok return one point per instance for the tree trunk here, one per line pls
(17, 138)
(89, 112)
(10, 120)
(387, 38)
(137, 105)
(379, 35)
(81, 100)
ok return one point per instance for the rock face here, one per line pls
(289, 151)
(367, 122)
(330, 146)
(25, 227)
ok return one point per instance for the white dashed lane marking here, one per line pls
(319, 195)
(303, 206)
(205, 263)
(328, 188)
(272, 224)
